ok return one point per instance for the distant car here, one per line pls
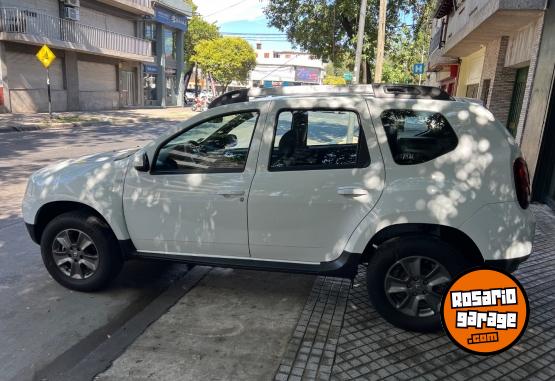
(190, 96)
(317, 180)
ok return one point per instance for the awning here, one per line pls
(444, 7)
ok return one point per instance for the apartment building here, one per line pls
(110, 54)
(502, 52)
(285, 68)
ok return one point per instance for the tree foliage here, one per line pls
(335, 80)
(226, 59)
(199, 30)
(408, 46)
(327, 28)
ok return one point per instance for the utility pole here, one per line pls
(381, 42)
(420, 76)
(360, 41)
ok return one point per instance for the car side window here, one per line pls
(416, 137)
(318, 139)
(220, 144)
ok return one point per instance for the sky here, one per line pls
(242, 16)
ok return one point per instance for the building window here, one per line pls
(276, 55)
(149, 33)
(266, 55)
(258, 46)
(472, 91)
(170, 37)
(288, 56)
(485, 91)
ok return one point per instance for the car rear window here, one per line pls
(416, 137)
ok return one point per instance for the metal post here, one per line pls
(420, 75)
(360, 40)
(49, 94)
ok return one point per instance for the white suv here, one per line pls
(314, 180)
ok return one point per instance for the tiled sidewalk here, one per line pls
(340, 336)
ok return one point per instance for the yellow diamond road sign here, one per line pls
(45, 56)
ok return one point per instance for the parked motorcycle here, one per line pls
(200, 104)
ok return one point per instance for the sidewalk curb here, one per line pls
(101, 358)
(54, 126)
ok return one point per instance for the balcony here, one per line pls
(31, 27)
(437, 39)
(476, 22)
(139, 7)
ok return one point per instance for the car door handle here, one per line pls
(230, 192)
(352, 191)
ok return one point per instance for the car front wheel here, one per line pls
(407, 277)
(80, 251)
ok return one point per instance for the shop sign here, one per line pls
(151, 69)
(307, 74)
(170, 18)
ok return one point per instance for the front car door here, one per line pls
(194, 199)
(319, 173)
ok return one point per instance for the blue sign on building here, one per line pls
(171, 19)
(151, 69)
(418, 68)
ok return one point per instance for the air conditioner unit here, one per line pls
(72, 3)
(71, 13)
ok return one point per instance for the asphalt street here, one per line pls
(41, 322)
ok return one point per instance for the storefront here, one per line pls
(163, 82)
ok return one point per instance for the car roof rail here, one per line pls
(410, 92)
(469, 100)
(375, 90)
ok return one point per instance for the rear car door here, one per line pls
(319, 173)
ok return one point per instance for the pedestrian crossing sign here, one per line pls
(45, 56)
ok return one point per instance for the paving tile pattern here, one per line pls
(311, 350)
(369, 348)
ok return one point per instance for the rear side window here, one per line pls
(417, 136)
(319, 139)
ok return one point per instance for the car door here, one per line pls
(319, 172)
(193, 200)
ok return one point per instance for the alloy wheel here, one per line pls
(415, 285)
(75, 254)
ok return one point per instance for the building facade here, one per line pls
(502, 52)
(104, 50)
(285, 68)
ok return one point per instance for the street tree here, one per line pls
(225, 59)
(408, 46)
(334, 80)
(198, 30)
(327, 28)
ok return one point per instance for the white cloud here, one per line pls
(222, 11)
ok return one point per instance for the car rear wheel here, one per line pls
(80, 251)
(407, 278)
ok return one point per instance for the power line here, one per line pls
(226, 8)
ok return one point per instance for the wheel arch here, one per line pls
(51, 210)
(447, 234)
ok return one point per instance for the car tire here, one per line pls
(80, 251)
(404, 273)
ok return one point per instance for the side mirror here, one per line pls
(140, 162)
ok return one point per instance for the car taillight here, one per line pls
(522, 182)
